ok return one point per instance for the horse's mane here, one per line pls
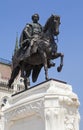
(48, 22)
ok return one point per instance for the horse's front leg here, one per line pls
(46, 69)
(44, 58)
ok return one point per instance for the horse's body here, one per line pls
(46, 49)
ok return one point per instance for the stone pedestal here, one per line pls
(49, 106)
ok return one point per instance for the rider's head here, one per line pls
(35, 18)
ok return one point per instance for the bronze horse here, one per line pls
(46, 50)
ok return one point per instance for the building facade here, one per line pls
(5, 73)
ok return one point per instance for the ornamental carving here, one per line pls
(69, 123)
(24, 110)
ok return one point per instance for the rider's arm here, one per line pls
(25, 35)
(27, 31)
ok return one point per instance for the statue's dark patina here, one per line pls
(37, 48)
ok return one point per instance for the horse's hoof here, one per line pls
(47, 78)
(8, 86)
(59, 69)
(26, 88)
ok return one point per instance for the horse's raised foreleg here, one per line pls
(61, 55)
(59, 68)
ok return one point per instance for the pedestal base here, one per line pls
(49, 106)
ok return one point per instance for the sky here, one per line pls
(14, 14)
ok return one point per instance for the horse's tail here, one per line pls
(14, 73)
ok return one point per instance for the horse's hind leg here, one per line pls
(13, 76)
(26, 82)
(26, 75)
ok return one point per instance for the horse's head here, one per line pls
(55, 21)
(52, 24)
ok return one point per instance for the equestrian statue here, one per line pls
(37, 49)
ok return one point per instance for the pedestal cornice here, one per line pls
(51, 100)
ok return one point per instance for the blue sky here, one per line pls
(15, 14)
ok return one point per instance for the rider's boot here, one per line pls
(28, 52)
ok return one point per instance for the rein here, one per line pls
(56, 39)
